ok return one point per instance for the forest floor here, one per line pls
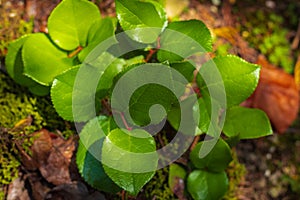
(272, 163)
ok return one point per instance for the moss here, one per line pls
(265, 31)
(12, 25)
(158, 187)
(236, 173)
(22, 113)
(16, 103)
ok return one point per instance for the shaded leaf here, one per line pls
(204, 185)
(154, 86)
(88, 157)
(176, 180)
(216, 160)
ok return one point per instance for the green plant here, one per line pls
(143, 47)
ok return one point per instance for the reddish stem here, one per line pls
(74, 53)
(123, 120)
(150, 54)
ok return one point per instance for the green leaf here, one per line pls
(14, 64)
(15, 68)
(148, 88)
(175, 116)
(74, 92)
(239, 77)
(39, 90)
(216, 160)
(129, 158)
(42, 60)
(136, 14)
(246, 123)
(98, 32)
(63, 92)
(204, 185)
(185, 68)
(204, 120)
(70, 22)
(176, 172)
(182, 39)
(89, 152)
(113, 69)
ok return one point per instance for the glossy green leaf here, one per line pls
(14, 64)
(89, 151)
(42, 60)
(62, 92)
(216, 160)
(99, 31)
(176, 173)
(136, 14)
(246, 123)
(121, 163)
(70, 22)
(240, 78)
(203, 185)
(184, 39)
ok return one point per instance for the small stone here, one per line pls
(267, 173)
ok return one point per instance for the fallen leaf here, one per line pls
(53, 156)
(56, 169)
(277, 94)
(42, 146)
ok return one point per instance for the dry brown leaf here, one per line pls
(53, 156)
(277, 95)
(56, 169)
(42, 146)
